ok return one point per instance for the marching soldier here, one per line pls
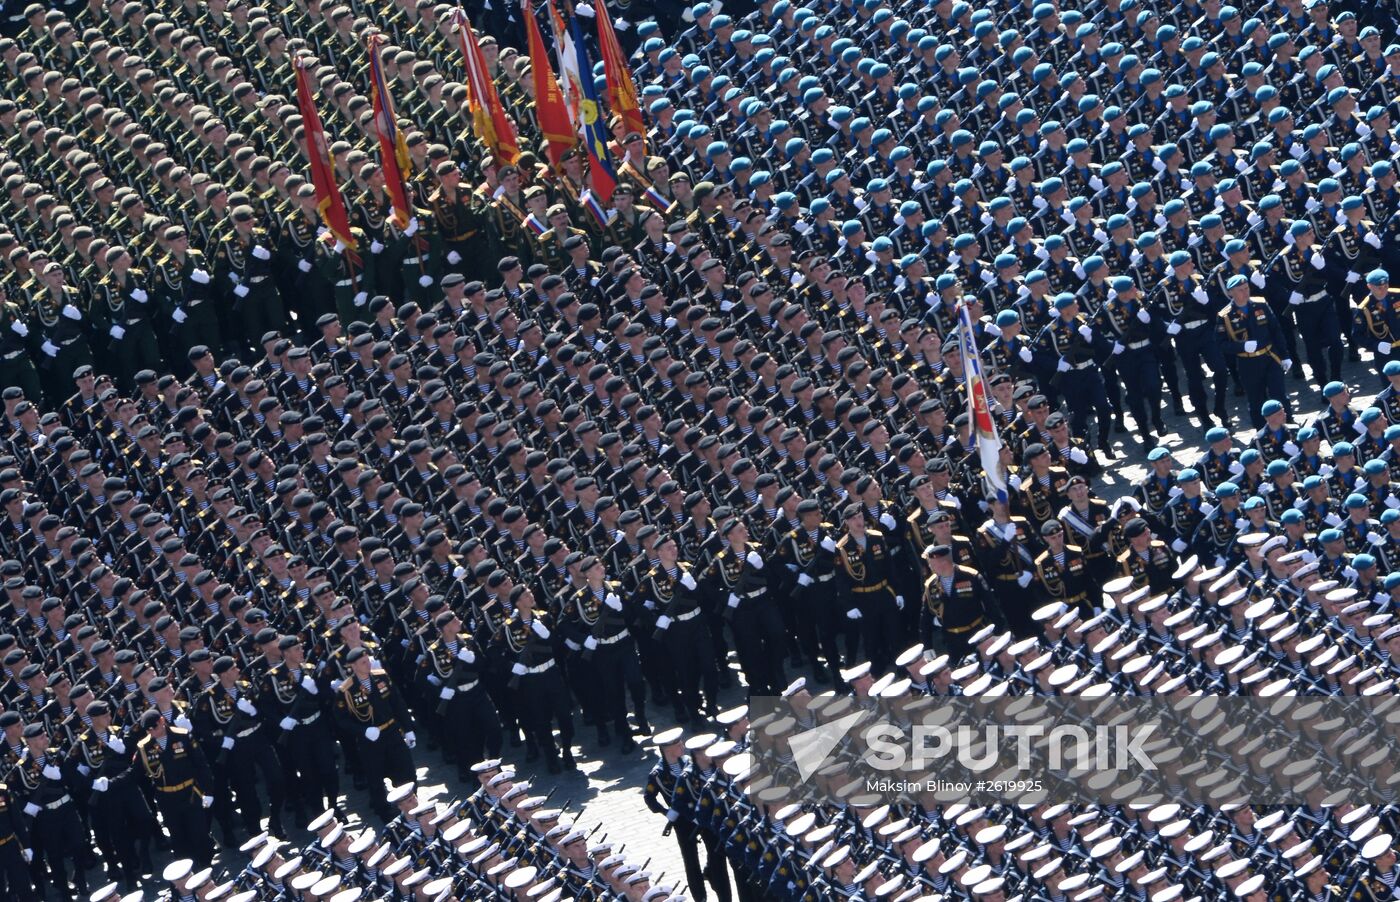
(172, 764)
(370, 709)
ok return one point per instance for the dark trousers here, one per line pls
(1198, 350)
(716, 869)
(879, 629)
(187, 822)
(1084, 392)
(14, 873)
(760, 641)
(308, 754)
(472, 727)
(386, 758)
(543, 702)
(693, 661)
(1141, 377)
(1322, 339)
(615, 673)
(1262, 378)
(249, 757)
(688, 841)
(121, 820)
(59, 836)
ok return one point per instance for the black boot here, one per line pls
(1178, 408)
(604, 739)
(1159, 427)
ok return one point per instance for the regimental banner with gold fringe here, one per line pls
(329, 202)
(393, 150)
(490, 121)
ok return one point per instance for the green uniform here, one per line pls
(16, 352)
(243, 273)
(123, 311)
(64, 327)
(190, 303)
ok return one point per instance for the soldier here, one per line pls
(527, 648)
(454, 664)
(226, 720)
(291, 694)
(1249, 333)
(64, 325)
(16, 357)
(125, 310)
(188, 297)
(661, 797)
(371, 711)
(596, 616)
(121, 822)
(956, 602)
(15, 851)
(1297, 278)
(459, 221)
(1069, 346)
(243, 271)
(173, 766)
(863, 568)
(45, 793)
(737, 579)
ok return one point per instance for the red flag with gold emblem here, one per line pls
(329, 201)
(393, 150)
(550, 108)
(489, 119)
(622, 91)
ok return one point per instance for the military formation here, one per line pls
(542, 473)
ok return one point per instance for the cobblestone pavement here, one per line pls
(607, 789)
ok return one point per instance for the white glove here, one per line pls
(1317, 260)
(240, 291)
(1143, 316)
(425, 280)
(454, 258)
(804, 580)
(1295, 298)
(1062, 366)
(261, 252)
(410, 740)
(1256, 279)
(1078, 456)
(1200, 295)
(116, 332)
(19, 329)
(116, 745)
(1179, 546)
(412, 228)
(1392, 502)
(1117, 348)
(304, 265)
(539, 629)
(1100, 236)
(1326, 471)
(1251, 346)
(828, 544)
(227, 744)
(1173, 328)
(247, 707)
(1013, 481)
(1286, 363)
(670, 322)
(447, 693)
(1024, 353)
(1383, 347)
(1290, 449)
(622, 24)
(338, 247)
(1332, 520)
(688, 581)
(309, 685)
(853, 614)
(376, 248)
(71, 312)
(1086, 333)
(206, 802)
(663, 622)
(590, 643)
(466, 656)
(288, 723)
(726, 306)
(899, 602)
(1353, 277)
(139, 295)
(183, 723)
(612, 601)
(1025, 578)
(179, 315)
(1008, 532)
(992, 329)
(233, 277)
(733, 601)
(887, 521)
(33, 811)
(84, 769)
(1374, 538)
(49, 348)
(754, 559)
(199, 276)
(1373, 239)
(100, 784)
(52, 772)
(372, 734)
(518, 669)
(361, 298)
(1349, 572)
